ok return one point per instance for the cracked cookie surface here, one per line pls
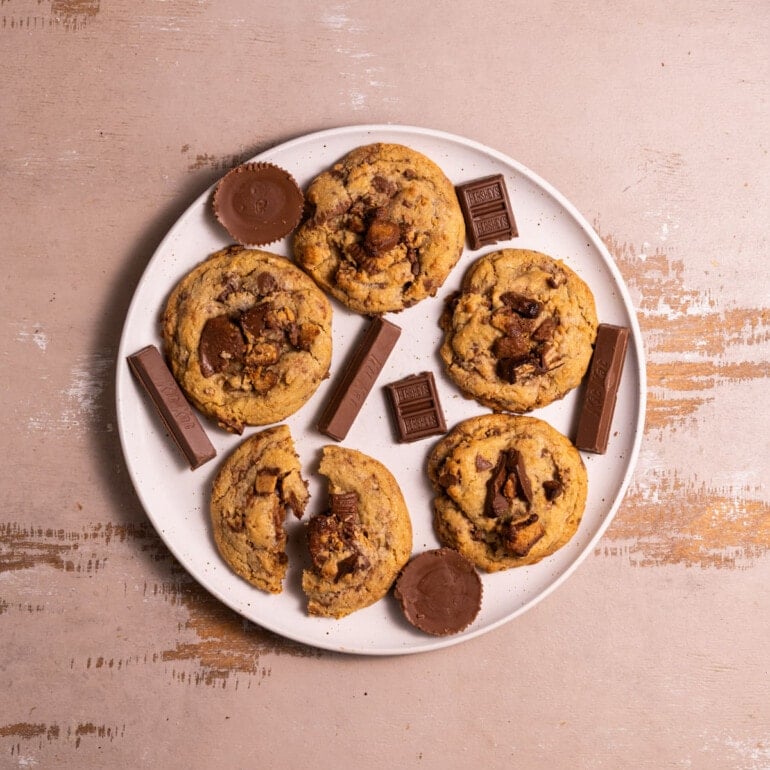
(361, 542)
(254, 489)
(519, 334)
(382, 229)
(509, 490)
(248, 337)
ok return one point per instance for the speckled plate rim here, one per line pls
(144, 443)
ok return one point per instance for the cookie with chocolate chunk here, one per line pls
(359, 544)
(248, 337)
(382, 229)
(519, 334)
(255, 487)
(509, 490)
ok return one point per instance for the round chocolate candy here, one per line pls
(439, 592)
(258, 203)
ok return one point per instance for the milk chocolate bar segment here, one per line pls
(601, 390)
(416, 408)
(360, 374)
(174, 409)
(487, 210)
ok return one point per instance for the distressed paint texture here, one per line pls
(219, 642)
(696, 346)
(38, 15)
(652, 117)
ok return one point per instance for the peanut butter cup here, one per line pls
(258, 203)
(439, 592)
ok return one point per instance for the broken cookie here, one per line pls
(258, 483)
(363, 538)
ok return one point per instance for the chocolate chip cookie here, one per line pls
(248, 337)
(382, 229)
(509, 490)
(519, 334)
(359, 544)
(256, 485)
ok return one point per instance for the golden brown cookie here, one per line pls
(248, 337)
(382, 229)
(519, 334)
(509, 490)
(358, 545)
(256, 485)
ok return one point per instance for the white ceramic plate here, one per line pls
(176, 499)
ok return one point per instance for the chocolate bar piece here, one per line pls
(362, 370)
(174, 409)
(416, 407)
(593, 431)
(487, 211)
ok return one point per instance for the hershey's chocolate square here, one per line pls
(416, 407)
(487, 210)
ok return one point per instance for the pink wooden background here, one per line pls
(652, 117)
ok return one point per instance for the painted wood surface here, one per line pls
(652, 117)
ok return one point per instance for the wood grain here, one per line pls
(651, 117)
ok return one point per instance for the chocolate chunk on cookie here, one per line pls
(248, 337)
(382, 229)
(519, 333)
(509, 490)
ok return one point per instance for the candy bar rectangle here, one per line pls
(416, 407)
(362, 370)
(174, 409)
(487, 210)
(593, 431)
